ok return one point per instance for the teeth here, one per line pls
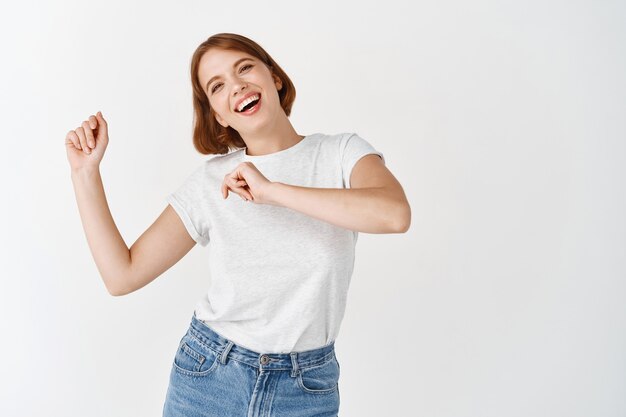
(247, 101)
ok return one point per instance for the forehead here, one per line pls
(217, 62)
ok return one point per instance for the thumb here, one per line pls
(103, 128)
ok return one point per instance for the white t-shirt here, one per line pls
(279, 278)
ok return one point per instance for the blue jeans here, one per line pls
(212, 376)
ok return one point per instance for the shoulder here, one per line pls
(340, 136)
(346, 143)
(344, 138)
(333, 139)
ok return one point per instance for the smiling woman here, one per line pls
(226, 69)
(261, 339)
(274, 336)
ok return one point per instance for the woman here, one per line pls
(261, 341)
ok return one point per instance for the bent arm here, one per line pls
(125, 270)
(375, 203)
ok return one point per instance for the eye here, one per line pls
(240, 70)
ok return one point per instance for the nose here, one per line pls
(239, 88)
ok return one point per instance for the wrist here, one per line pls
(85, 171)
(273, 193)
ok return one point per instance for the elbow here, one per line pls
(402, 220)
(403, 227)
(116, 291)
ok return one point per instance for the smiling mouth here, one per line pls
(250, 105)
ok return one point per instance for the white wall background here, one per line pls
(503, 120)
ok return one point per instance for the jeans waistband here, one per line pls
(227, 349)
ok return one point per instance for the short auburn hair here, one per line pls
(210, 137)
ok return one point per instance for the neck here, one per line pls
(272, 138)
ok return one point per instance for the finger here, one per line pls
(73, 138)
(236, 190)
(229, 183)
(89, 134)
(232, 186)
(83, 140)
(224, 190)
(234, 182)
(238, 187)
(93, 122)
(244, 194)
(240, 194)
(103, 127)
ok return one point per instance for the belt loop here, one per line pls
(225, 352)
(294, 363)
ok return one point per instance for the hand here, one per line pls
(86, 144)
(248, 182)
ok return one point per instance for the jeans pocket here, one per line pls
(321, 378)
(193, 358)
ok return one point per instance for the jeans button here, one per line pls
(264, 359)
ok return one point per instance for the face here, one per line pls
(230, 78)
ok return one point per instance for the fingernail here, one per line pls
(93, 145)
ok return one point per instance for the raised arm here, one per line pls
(123, 270)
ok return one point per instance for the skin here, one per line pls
(374, 203)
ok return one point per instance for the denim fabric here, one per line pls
(212, 376)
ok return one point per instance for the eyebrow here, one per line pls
(234, 66)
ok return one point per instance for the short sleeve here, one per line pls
(352, 148)
(189, 202)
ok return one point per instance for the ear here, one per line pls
(278, 82)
